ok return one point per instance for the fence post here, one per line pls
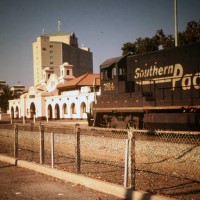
(52, 149)
(41, 144)
(77, 148)
(16, 141)
(34, 119)
(24, 122)
(126, 164)
(131, 159)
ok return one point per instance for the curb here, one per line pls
(101, 186)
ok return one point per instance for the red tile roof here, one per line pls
(84, 80)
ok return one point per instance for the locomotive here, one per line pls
(157, 90)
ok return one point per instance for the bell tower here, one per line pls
(66, 72)
(46, 73)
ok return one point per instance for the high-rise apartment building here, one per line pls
(52, 50)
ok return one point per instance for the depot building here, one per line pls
(63, 97)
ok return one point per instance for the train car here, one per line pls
(157, 90)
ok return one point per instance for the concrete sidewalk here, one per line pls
(20, 183)
(101, 186)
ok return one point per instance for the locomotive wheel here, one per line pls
(135, 123)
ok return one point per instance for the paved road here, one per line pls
(20, 184)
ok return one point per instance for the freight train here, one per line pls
(157, 90)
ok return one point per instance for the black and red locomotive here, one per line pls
(157, 90)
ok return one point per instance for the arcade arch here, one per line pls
(12, 112)
(57, 112)
(17, 112)
(49, 111)
(64, 109)
(32, 110)
(83, 109)
(73, 108)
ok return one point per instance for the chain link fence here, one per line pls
(160, 162)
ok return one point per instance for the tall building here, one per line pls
(52, 50)
(17, 89)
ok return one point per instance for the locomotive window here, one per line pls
(107, 74)
(102, 74)
(114, 72)
(122, 71)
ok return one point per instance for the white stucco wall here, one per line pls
(42, 103)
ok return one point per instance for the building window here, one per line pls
(44, 49)
(51, 46)
(68, 72)
(51, 63)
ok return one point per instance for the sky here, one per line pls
(102, 25)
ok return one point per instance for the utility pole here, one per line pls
(175, 23)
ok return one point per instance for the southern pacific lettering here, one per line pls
(172, 73)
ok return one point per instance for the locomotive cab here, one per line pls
(113, 76)
(116, 96)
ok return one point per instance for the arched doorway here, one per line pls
(12, 113)
(73, 109)
(64, 110)
(49, 114)
(83, 109)
(57, 112)
(32, 110)
(17, 113)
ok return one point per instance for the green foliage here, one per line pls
(145, 45)
(5, 96)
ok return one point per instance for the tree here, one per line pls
(166, 41)
(191, 34)
(5, 96)
(129, 48)
(145, 45)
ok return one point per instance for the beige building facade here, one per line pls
(51, 50)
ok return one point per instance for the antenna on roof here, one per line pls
(59, 24)
(43, 32)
